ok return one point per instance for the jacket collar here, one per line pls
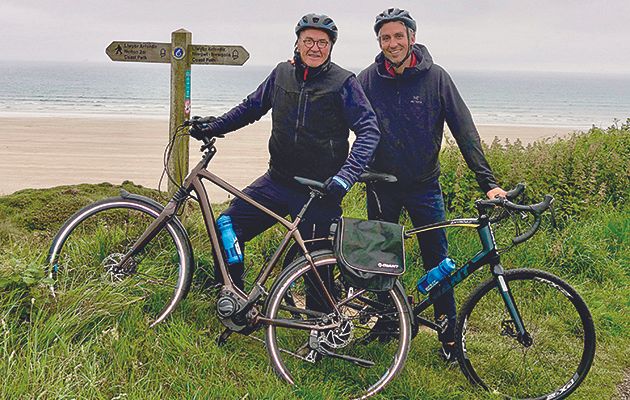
(305, 73)
(423, 63)
(389, 67)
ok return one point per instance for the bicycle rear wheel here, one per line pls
(561, 330)
(84, 260)
(359, 360)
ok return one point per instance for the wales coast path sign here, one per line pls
(181, 54)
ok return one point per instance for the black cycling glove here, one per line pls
(336, 188)
(200, 127)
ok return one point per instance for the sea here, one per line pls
(576, 100)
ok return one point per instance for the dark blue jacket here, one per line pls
(411, 109)
(311, 119)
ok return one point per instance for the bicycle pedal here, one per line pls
(223, 337)
(442, 323)
(313, 356)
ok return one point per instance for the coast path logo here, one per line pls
(179, 53)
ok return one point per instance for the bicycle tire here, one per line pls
(560, 325)
(357, 339)
(84, 252)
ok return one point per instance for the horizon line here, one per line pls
(353, 68)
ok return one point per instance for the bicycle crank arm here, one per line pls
(357, 361)
(293, 324)
(440, 327)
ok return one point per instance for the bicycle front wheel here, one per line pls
(550, 363)
(359, 358)
(85, 255)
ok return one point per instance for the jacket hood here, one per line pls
(425, 61)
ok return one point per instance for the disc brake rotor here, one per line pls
(116, 272)
(338, 337)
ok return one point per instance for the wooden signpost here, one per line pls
(180, 53)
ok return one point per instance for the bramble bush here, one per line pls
(582, 171)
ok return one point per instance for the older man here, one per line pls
(314, 104)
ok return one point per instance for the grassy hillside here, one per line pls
(101, 348)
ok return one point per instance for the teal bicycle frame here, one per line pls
(487, 256)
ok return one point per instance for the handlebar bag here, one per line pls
(370, 254)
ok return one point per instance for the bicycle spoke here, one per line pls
(497, 359)
(306, 355)
(91, 254)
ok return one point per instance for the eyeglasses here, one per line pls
(321, 43)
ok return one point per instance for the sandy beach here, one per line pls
(44, 152)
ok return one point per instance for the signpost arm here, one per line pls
(180, 53)
(180, 105)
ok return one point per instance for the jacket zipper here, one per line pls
(332, 148)
(300, 110)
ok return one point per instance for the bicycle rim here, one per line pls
(560, 326)
(84, 262)
(295, 297)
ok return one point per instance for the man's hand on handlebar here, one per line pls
(200, 127)
(496, 192)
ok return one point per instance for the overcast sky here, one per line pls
(543, 35)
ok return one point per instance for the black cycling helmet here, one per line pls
(394, 14)
(318, 21)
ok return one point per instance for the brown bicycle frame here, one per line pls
(193, 182)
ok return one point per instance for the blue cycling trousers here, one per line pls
(283, 198)
(425, 205)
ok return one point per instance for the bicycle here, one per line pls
(133, 247)
(515, 315)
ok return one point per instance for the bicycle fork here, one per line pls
(150, 232)
(514, 327)
(516, 322)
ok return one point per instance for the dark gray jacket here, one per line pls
(311, 117)
(411, 109)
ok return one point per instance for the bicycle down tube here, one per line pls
(193, 182)
(488, 255)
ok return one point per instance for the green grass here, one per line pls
(92, 345)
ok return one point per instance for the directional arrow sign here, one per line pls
(180, 53)
(218, 54)
(139, 52)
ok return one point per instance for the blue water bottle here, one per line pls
(230, 242)
(435, 275)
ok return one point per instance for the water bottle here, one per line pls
(230, 242)
(435, 275)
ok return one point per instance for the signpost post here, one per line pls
(180, 53)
